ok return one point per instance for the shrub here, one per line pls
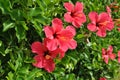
(23, 22)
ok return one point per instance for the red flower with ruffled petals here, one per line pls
(44, 57)
(57, 37)
(100, 23)
(74, 14)
(103, 78)
(118, 56)
(106, 54)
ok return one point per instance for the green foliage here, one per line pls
(22, 22)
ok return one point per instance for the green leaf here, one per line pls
(34, 11)
(2, 49)
(10, 76)
(79, 36)
(38, 27)
(5, 6)
(20, 32)
(7, 50)
(23, 24)
(70, 77)
(0, 43)
(56, 1)
(7, 25)
(17, 15)
(47, 2)
(33, 74)
(42, 19)
(23, 70)
(11, 65)
(18, 62)
(41, 5)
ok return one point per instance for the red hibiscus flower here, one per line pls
(100, 23)
(118, 56)
(44, 57)
(57, 37)
(74, 14)
(102, 78)
(106, 54)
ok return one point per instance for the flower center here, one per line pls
(54, 35)
(80, 15)
(63, 38)
(76, 14)
(102, 24)
(46, 55)
(97, 24)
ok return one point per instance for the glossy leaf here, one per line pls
(7, 25)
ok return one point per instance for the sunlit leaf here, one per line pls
(7, 25)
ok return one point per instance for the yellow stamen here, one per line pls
(64, 38)
(104, 23)
(47, 56)
(80, 15)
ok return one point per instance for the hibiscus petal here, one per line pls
(63, 45)
(119, 53)
(106, 58)
(72, 44)
(112, 56)
(54, 53)
(93, 17)
(49, 32)
(103, 51)
(77, 22)
(110, 49)
(52, 44)
(103, 17)
(82, 18)
(119, 56)
(68, 17)
(65, 35)
(102, 78)
(49, 65)
(45, 44)
(78, 7)
(72, 29)
(57, 24)
(101, 33)
(118, 29)
(108, 9)
(39, 60)
(118, 59)
(110, 26)
(68, 6)
(62, 54)
(37, 48)
(57, 53)
(92, 27)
